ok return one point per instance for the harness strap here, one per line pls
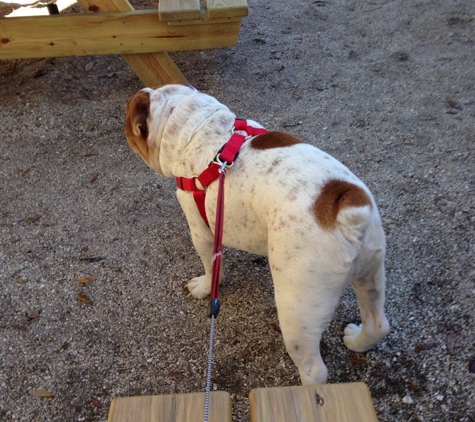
(228, 154)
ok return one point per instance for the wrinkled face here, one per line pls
(146, 113)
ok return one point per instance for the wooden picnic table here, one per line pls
(142, 37)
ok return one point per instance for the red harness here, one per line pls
(224, 158)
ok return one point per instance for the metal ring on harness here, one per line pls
(223, 164)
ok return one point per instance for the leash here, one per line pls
(214, 303)
(217, 170)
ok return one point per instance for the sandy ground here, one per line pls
(387, 87)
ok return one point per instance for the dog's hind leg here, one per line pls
(306, 300)
(370, 294)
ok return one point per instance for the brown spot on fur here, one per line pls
(336, 195)
(136, 127)
(274, 140)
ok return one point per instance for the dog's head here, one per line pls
(147, 113)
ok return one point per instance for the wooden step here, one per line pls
(350, 402)
(171, 408)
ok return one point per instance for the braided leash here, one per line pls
(210, 364)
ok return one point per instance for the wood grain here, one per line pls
(171, 408)
(179, 10)
(350, 402)
(218, 9)
(108, 33)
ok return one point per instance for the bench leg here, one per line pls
(153, 69)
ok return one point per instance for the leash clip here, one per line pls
(223, 164)
(214, 305)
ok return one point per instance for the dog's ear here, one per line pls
(137, 112)
(136, 126)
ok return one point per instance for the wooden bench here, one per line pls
(350, 402)
(171, 408)
(143, 37)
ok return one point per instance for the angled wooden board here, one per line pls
(153, 69)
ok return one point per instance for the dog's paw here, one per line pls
(199, 287)
(352, 338)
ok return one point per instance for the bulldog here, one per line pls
(317, 223)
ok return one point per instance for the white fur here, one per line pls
(270, 195)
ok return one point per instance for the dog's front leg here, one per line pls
(200, 287)
(203, 239)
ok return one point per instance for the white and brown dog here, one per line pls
(315, 220)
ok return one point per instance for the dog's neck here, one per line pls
(190, 137)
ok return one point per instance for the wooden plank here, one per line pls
(179, 10)
(171, 408)
(153, 69)
(350, 402)
(95, 6)
(218, 9)
(107, 33)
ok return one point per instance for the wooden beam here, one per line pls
(108, 33)
(155, 69)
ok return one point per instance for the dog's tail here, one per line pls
(344, 206)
